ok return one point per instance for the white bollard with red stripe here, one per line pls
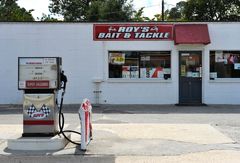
(85, 115)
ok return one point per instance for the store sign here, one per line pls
(117, 58)
(131, 32)
(37, 84)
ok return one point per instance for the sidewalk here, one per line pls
(141, 134)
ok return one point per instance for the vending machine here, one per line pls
(39, 78)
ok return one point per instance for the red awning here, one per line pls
(191, 34)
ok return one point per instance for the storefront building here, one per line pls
(130, 63)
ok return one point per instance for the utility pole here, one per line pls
(162, 10)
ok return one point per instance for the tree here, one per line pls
(71, 10)
(158, 17)
(10, 11)
(93, 10)
(138, 16)
(176, 13)
(116, 10)
(212, 10)
(48, 18)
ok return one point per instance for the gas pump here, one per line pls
(39, 78)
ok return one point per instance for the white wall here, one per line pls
(141, 91)
(224, 36)
(85, 60)
(72, 42)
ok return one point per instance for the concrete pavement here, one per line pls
(136, 133)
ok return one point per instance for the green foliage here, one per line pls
(71, 10)
(93, 10)
(176, 13)
(10, 11)
(158, 17)
(212, 10)
(138, 16)
(48, 18)
(205, 10)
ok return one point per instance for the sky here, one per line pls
(152, 7)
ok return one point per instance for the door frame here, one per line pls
(200, 52)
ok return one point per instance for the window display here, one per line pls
(224, 64)
(138, 64)
(191, 65)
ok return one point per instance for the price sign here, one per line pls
(117, 58)
(35, 73)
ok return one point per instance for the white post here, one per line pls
(85, 112)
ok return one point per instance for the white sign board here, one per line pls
(38, 73)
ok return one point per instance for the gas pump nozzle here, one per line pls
(63, 79)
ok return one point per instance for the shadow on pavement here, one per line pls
(166, 109)
(61, 156)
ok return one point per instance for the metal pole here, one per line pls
(162, 10)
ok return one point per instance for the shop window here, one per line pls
(224, 64)
(135, 64)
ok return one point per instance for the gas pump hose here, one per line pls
(61, 122)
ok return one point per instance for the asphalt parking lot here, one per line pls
(139, 133)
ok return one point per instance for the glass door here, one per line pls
(190, 77)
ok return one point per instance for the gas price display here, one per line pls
(38, 73)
